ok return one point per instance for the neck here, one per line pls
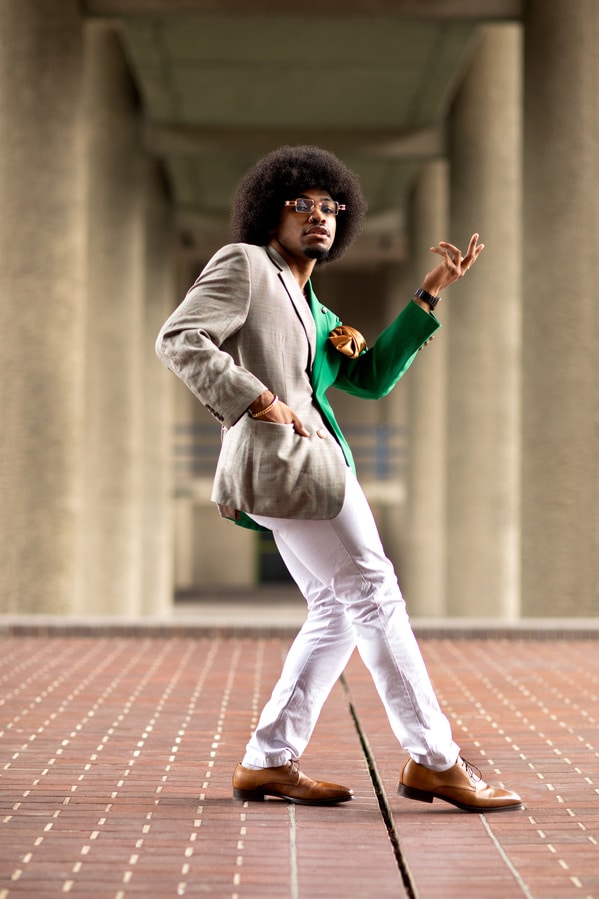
(301, 268)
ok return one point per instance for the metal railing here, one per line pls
(379, 451)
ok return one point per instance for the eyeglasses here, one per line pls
(305, 206)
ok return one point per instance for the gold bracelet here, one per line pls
(266, 410)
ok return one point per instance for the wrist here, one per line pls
(261, 402)
(266, 409)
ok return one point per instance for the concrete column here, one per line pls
(208, 551)
(484, 334)
(427, 382)
(560, 469)
(224, 555)
(396, 291)
(185, 410)
(111, 535)
(41, 306)
(157, 490)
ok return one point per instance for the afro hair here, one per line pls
(283, 175)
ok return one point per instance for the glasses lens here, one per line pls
(305, 206)
(329, 207)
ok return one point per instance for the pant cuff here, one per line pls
(270, 760)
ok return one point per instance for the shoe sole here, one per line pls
(261, 795)
(425, 796)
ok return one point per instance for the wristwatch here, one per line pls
(423, 294)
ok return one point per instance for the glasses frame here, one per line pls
(339, 207)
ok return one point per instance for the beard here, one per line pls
(316, 253)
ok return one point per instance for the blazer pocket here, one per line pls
(268, 469)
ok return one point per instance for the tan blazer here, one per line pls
(245, 326)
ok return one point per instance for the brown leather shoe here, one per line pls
(286, 782)
(462, 785)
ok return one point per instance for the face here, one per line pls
(306, 235)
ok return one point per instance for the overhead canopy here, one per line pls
(224, 81)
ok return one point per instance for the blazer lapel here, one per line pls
(298, 300)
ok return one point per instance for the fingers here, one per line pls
(474, 251)
(450, 250)
(450, 254)
(473, 243)
(453, 255)
(299, 428)
(282, 414)
(291, 418)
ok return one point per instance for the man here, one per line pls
(258, 349)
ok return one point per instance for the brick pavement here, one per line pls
(116, 754)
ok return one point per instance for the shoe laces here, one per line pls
(472, 771)
(294, 766)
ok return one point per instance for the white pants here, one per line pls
(353, 600)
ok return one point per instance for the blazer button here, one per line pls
(321, 433)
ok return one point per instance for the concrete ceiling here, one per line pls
(224, 81)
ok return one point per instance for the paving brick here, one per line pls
(117, 749)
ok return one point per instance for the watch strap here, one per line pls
(423, 294)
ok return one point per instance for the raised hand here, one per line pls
(453, 264)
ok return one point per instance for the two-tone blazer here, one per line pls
(245, 326)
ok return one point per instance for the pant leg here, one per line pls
(346, 556)
(315, 661)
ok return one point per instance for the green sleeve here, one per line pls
(377, 370)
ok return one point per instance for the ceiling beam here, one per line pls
(472, 10)
(181, 140)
